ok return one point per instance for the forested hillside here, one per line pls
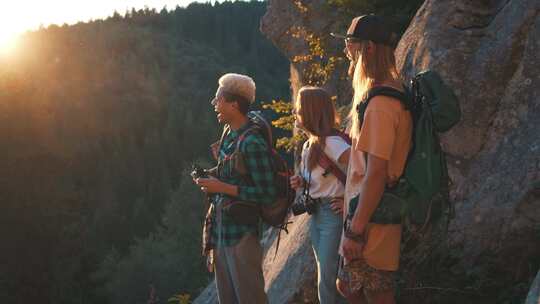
(99, 122)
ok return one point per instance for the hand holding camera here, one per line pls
(200, 177)
(297, 182)
(210, 184)
(198, 172)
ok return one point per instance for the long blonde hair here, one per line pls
(319, 117)
(370, 68)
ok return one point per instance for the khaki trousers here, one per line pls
(238, 271)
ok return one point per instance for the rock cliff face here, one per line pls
(288, 22)
(487, 51)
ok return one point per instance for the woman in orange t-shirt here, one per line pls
(381, 142)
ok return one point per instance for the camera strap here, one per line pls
(308, 182)
(329, 166)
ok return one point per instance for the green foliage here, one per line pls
(282, 108)
(168, 260)
(285, 122)
(180, 299)
(319, 61)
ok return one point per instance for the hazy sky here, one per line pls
(32, 13)
(17, 16)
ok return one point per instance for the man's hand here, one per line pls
(352, 250)
(210, 185)
(213, 185)
(337, 205)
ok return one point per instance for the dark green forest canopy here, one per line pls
(99, 122)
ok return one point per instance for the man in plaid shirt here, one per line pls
(237, 251)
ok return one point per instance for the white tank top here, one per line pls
(325, 185)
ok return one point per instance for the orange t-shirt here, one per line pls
(386, 133)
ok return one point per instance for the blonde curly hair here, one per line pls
(238, 84)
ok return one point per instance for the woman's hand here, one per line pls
(337, 205)
(352, 250)
(297, 182)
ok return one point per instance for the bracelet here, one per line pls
(359, 238)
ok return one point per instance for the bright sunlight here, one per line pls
(17, 17)
(8, 42)
(11, 27)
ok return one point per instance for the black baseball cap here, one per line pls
(370, 27)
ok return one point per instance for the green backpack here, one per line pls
(421, 194)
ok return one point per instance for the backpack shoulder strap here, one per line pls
(240, 139)
(226, 131)
(263, 125)
(216, 148)
(328, 165)
(343, 135)
(404, 98)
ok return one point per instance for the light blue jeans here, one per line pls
(325, 232)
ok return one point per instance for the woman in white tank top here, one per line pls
(316, 116)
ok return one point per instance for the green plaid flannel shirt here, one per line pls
(261, 189)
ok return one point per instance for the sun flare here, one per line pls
(17, 17)
(8, 42)
(11, 27)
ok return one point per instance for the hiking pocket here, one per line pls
(389, 210)
(242, 212)
(393, 207)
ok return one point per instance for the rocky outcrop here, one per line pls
(487, 51)
(288, 23)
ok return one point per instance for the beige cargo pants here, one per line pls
(238, 271)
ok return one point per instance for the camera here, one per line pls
(304, 203)
(198, 172)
